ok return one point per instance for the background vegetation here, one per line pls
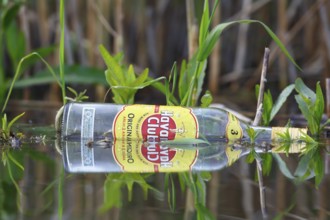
(154, 34)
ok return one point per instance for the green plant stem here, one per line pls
(194, 83)
(2, 72)
(61, 52)
(18, 72)
(12, 178)
(60, 195)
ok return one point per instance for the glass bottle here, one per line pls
(150, 138)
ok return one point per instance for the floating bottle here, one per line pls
(151, 138)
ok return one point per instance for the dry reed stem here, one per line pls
(77, 27)
(119, 16)
(247, 189)
(263, 80)
(256, 122)
(213, 195)
(325, 26)
(282, 29)
(242, 39)
(327, 87)
(192, 28)
(192, 46)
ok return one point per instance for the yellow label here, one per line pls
(232, 155)
(296, 145)
(233, 132)
(139, 130)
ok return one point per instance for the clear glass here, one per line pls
(87, 139)
(212, 122)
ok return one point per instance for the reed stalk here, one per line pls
(282, 29)
(256, 122)
(61, 49)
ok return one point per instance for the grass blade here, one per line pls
(208, 45)
(13, 121)
(60, 195)
(18, 164)
(19, 70)
(205, 23)
(61, 50)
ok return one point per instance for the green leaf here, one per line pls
(15, 43)
(197, 69)
(308, 114)
(280, 100)
(169, 187)
(12, 177)
(319, 103)
(304, 90)
(283, 167)
(205, 23)
(183, 80)
(267, 108)
(201, 189)
(203, 213)
(13, 121)
(206, 48)
(114, 184)
(141, 78)
(18, 164)
(253, 155)
(130, 74)
(114, 69)
(205, 175)
(9, 14)
(311, 105)
(111, 78)
(206, 99)
(302, 171)
(267, 161)
(112, 193)
(173, 78)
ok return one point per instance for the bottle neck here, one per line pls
(282, 139)
(262, 134)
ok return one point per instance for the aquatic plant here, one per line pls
(270, 109)
(311, 105)
(5, 132)
(124, 82)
